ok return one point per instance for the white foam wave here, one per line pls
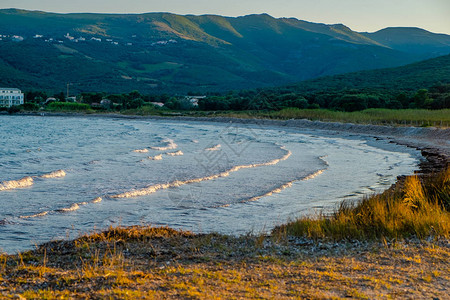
(97, 200)
(73, 207)
(313, 175)
(16, 184)
(29, 180)
(35, 215)
(170, 145)
(178, 153)
(157, 157)
(55, 174)
(214, 148)
(140, 150)
(284, 186)
(154, 188)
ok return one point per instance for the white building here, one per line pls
(10, 97)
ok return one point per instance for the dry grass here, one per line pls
(418, 208)
(170, 265)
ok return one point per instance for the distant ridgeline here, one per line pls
(160, 53)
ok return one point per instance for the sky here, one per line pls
(359, 15)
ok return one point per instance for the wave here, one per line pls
(73, 207)
(214, 148)
(140, 150)
(55, 174)
(170, 145)
(178, 153)
(29, 180)
(157, 157)
(154, 188)
(97, 200)
(16, 184)
(284, 186)
(35, 215)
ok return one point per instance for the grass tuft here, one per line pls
(416, 209)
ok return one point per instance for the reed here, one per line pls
(417, 209)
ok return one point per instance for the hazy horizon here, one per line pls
(358, 15)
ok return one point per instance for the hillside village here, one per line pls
(73, 38)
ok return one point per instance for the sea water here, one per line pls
(64, 176)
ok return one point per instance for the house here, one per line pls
(10, 97)
(71, 99)
(158, 104)
(106, 104)
(17, 38)
(50, 100)
(194, 99)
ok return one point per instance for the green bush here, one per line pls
(68, 106)
(30, 106)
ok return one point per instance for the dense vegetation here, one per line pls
(421, 207)
(166, 53)
(424, 85)
(420, 85)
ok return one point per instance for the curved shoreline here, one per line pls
(434, 143)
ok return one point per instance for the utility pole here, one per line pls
(68, 89)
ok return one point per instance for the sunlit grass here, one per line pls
(415, 210)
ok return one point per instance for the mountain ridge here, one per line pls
(164, 52)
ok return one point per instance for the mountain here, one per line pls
(412, 40)
(409, 78)
(169, 53)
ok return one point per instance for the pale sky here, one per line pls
(359, 15)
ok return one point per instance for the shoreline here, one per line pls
(434, 143)
(151, 262)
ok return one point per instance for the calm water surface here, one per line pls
(62, 176)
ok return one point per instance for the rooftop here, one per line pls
(10, 89)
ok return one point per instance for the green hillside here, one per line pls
(412, 77)
(167, 53)
(425, 85)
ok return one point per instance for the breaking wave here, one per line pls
(157, 157)
(284, 186)
(16, 184)
(28, 181)
(140, 150)
(55, 174)
(97, 200)
(214, 148)
(35, 215)
(73, 207)
(154, 188)
(170, 145)
(178, 153)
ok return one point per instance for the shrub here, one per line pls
(67, 106)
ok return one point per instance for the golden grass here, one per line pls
(418, 209)
(375, 116)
